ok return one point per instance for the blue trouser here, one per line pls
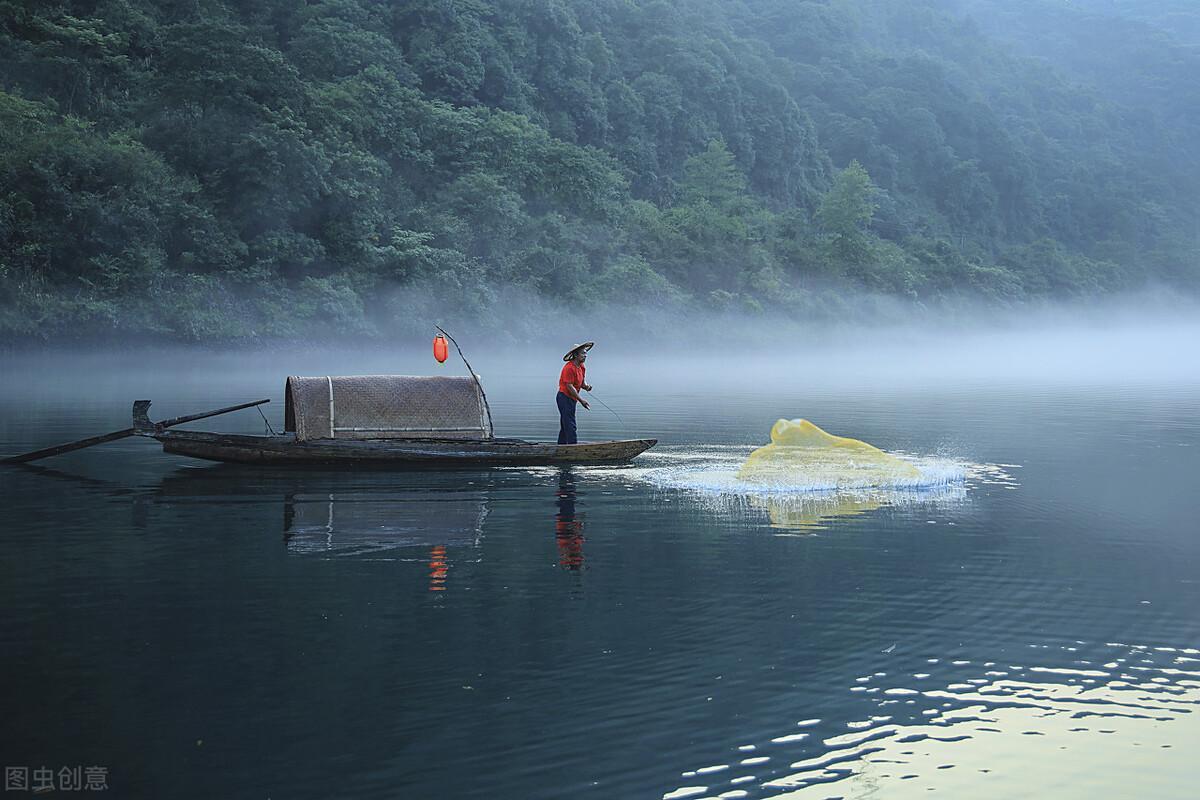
(566, 419)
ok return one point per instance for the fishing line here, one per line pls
(601, 402)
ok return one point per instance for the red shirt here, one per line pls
(571, 376)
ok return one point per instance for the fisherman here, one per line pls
(570, 381)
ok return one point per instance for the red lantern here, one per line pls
(440, 349)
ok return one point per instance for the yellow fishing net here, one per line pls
(802, 455)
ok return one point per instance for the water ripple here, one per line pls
(991, 725)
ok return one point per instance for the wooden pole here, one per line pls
(483, 394)
(66, 448)
(193, 417)
(146, 427)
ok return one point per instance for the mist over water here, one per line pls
(1150, 337)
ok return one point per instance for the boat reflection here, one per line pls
(368, 522)
(568, 525)
(433, 517)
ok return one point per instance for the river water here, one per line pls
(1025, 625)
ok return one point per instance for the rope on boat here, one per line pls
(267, 421)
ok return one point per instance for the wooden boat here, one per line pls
(286, 449)
(372, 420)
(384, 420)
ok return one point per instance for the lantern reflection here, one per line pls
(438, 566)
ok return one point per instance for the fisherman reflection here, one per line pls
(568, 527)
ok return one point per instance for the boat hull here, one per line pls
(242, 449)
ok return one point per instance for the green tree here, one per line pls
(713, 176)
(845, 212)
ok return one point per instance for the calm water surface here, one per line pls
(1027, 627)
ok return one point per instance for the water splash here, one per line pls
(708, 476)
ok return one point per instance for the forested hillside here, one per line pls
(1143, 56)
(280, 168)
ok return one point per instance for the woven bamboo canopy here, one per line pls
(385, 407)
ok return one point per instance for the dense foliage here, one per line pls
(281, 168)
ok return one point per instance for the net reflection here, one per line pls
(568, 525)
(808, 515)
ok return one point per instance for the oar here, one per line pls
(112, 437)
